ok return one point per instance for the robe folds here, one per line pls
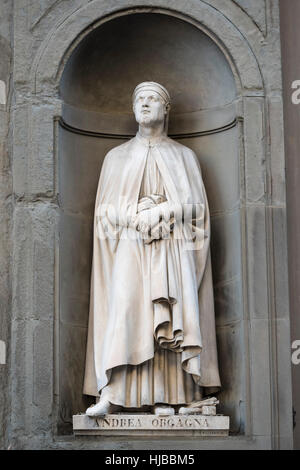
(153, 296)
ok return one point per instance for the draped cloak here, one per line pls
(149, 295)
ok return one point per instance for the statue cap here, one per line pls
(153, 86)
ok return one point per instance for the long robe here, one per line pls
(150, 300)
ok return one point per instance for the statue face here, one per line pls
(149, 108)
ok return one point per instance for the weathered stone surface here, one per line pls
(255, 150)
(257, 261)
(47, 11)
(33, 309)
(34, 162)
(42, 157)
(256, 10)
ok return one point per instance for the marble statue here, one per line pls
(151, 335)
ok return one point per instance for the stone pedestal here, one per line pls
(149, 424)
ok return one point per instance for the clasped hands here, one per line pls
(154, 220)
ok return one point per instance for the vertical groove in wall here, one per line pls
(248, 415)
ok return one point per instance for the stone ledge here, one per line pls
(149, 424)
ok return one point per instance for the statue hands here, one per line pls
(153, 218)
(147, 219)
(161, 231)
(148, 202)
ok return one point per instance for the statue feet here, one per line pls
(102, 408)
(163, 410)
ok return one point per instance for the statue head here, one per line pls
(151, 104)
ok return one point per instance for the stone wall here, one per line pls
(6, 204)
(45, 34)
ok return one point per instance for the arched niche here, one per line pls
(96, 87)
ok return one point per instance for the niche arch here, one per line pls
(219, 24)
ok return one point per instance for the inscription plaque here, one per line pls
(151, 424)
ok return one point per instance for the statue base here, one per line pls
(148, 424)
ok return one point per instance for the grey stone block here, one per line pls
(41, 157)
(34, 236)
(256, 262)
